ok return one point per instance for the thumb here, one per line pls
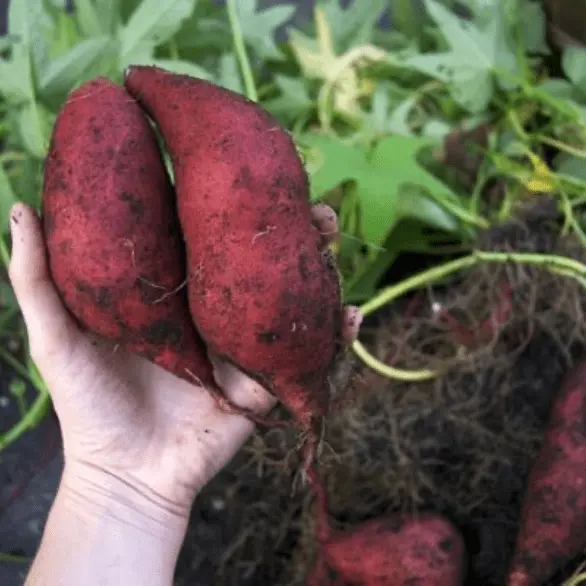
(51, 330)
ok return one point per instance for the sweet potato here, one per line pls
(261, 292)
(397, 550)
(553, 520)
(113, 237)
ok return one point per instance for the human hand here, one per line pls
(127, 424)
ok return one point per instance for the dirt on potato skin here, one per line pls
(461, 444)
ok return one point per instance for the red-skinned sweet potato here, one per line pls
(262, 294)
(397, 550)
(114, 242)
(553, 521)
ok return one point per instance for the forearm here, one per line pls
(101, 531)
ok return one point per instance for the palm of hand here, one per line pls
(123, 412)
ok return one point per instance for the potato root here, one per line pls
(114, 242)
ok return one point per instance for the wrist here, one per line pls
(105, 530)
(95, 492)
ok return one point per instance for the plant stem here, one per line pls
(415, 282)
(4, 255)
(390, 371)
(36, 411)
(11, 558)
(11, 157)
(31, 419)
(241, 53)
(562, 146)
(15, 364)
(173, 49)
(556, 264)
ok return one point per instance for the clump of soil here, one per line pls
(504, 336)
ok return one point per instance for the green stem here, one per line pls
(42, 402)
(15, 364)
(4, 254)
(556, 264)
(36, 411)
(477, 257)
(173, 49)
(13, 559)
(11, 157)
(562, 146)
(390, 371)
(517, 126)
(241, 53)
(415, 282)
(31, 419)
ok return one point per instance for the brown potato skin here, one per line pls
(114, 243)
(553, 519)
(262, 293)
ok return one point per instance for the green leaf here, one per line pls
(8, 298)
(15, 84)
(560, 96)
(87, 16)
(383, 119)
(181, 67)
(5, 43)
(7, 199)
(408, 18)
(354, 25)
(200, 33)
(109, 13)
(141, 54)
(474, 58)
(229, 74)
(259, 27)
(574, 65)
(154, 22)
(315, 59)
(398, 121)
(558, 88)
(27, 184)
(570, 165)
(398, 155)
(380, 180)
(67, 35)
(33, 128)
(28, 21)
(66, 71)
(293, 101)
(331, 162)
(533, 27)
(414, 203)
(436, 128)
